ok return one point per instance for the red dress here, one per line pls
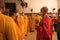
(44, 30)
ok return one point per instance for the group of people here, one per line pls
(14, 26)
(11, 30)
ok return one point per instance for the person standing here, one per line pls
(8, 28)
(44, 30)
(58, 25)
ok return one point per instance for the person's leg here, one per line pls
(55, 25)
(58, 36)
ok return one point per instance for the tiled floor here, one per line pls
(32, 36)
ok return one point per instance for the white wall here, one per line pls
(36, 5)
(58, 3)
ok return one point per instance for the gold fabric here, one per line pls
(8, 28)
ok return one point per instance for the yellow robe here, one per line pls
(8, 28)
(26, 23)
(14, 17)
(38, 18)
(21, 26)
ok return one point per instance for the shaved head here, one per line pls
(44, 10)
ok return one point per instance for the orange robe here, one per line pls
(32, 22)
(21, 26)
(8, 28)
(44, 30)
(26, 23)
(37, 19)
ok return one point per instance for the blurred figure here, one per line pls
(55, 23)
(8, 28)
(21, 23)
(32, 23)
(37, 20)
(26, 24)
(57, 20)
(14, 16)
(58, 25)
(44, 30)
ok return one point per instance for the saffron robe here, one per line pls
(20, 24)
(44, 30)
(32, 22)
(8, 28)
(38, 18)
(26, 23)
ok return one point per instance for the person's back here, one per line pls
(21, 26)
(7, 28)
(2, 28)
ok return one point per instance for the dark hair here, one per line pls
(1, 4)
(12, 13)
(58, 10)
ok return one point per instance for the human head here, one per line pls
(1, 6)
(12, 14)
(44, 10)
(58, 11)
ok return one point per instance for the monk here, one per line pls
(20, 23)
(8, 28)
(26, 24)
(32, 23)
(44, 30)
(19, 19)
